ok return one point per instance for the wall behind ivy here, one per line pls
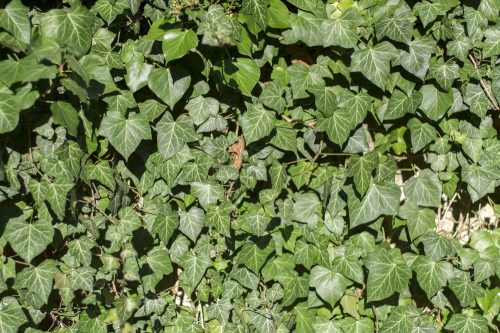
(249, 166)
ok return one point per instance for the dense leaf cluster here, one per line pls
(249, 166)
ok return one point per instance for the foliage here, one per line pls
(249, 166)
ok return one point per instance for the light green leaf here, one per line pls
(339, 31)
(129, 221)
(207, 193)
(329, 285)
(418, 220)
(465, 289)
(421, 134)
(137, 74)
(258, 9)
(432, 275)
(338, 126)
(306, 27)
(464, 323)
(478, 178)
(201, 108)
(351, 325)
(9, 113)
(380, 199)
(191, 222)
(247, 75)
(445, 73)
(14, 18)
(360, 168)
(387, 273)
(253, 255)
(169, 85)
(11, 315)
(29, 239)
(125, 134)
(177, 43)
(424, 189)
(429, 11)
(400, 320)
(38, 279)
(400, 104)
(436, 246)
(174, 134)
(374, 62)
(416, 61)
(71, 28)
(257, 123)
(64, 114)
(165, 224)
(195, 266)
(435, 103)
(397, 26)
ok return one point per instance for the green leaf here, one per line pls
(387, 273)
(137, 74)
(253, 255)
(337, 127)
(416, 61)
(462, 323)
(278, 15)
(491, 45)
(65, 114)
(436, 246)
(125, 134)
(432, 275)
(191, 222)
(305, 27)
(38, 279)
(174, 134)
(429, 11)
(201, 108)
(465, 289)
(374, 62)
(71, 28)
(329, 285)
(11, 315)
(194, 267)
(257, 123)
(400, 104)
(29, 239)
(165, 225)
(397, 26)
(479, 178)
(169, 85)
(14, 18)
(9, 113)
(340, 31)
(380, 199)
(129, 221)
(258, 9)
(421, 134)
(418, 220)
(435, 103)
(424, 189)
(400, 320)
(351, 325)
(360, 168)
(445, 73)
(177, 43)
(247, 75)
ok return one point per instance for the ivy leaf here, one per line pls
(361, 167)
(258, 10)
(462, 323)
(247, 74)
(191, 222)
(387, 273)
(9, 113)
(164, 225)
(445, 73)
(11, 315)
(421, 134)
(29, 239)
(435, 103)
(257, 123)
(465, 290)
(339, 31)
(125, 134)
(419, 220)
(351, 325)
(424, 189)
(429, 11)
(436, 246)
(177, 43)
(400, 104)
(71, 28)
(161, 82)
(14, 18)
(329, 285)
(174, 134)
(416, 61)
(254, 255)
(432, 275)
(381, 198)
(305, 27)
(374, 62)
(194, 267)
(65, 114)
(201, 108)
(38, 279)
(337, 127)
(398, 26)
(400, 320)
